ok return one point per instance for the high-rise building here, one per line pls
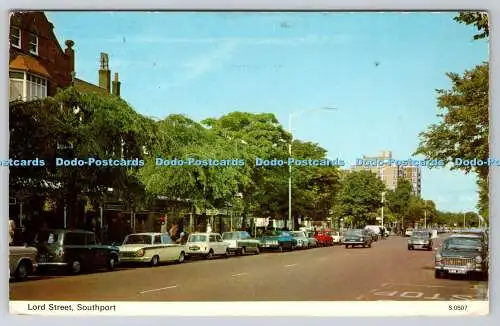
(390, 173)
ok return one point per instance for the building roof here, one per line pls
(87, 87)
(28, 63)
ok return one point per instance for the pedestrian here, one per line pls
(12, 230)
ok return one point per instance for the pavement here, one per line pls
(387, 271)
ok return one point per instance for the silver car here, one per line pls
(302, 240)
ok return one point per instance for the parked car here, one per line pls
(421, 239)
(375, 231)
(323, 238)
(301, 238)
(277, 240)
(150, 248)
(313, 243)
(358, 237)
(22, 262)
(73, 250)
(408, 232)
(462, 254)
(337, 238)
(241, 242)
(206, 245)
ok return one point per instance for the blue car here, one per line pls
(277, 240)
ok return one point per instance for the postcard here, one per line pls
(249, 163)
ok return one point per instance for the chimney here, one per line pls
(116, 85)
(105, 73)
(70, 53)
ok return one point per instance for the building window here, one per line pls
(33, 47)
(15, 37)
(36, 88)
(26, 87)
(16, 81)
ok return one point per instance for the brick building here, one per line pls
(39, 67)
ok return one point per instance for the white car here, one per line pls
(150, 248)
(207, 245)
(337, 238)
(408, 232)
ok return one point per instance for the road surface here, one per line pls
(387, 271)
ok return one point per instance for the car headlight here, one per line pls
(140, 252)
(479, 259)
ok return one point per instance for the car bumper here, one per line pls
(458, 269)
(51, 265)
(135, 260)
(270, 245)
(353, 242)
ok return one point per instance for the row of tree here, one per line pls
(78, 125)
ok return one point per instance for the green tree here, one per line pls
(398, 201)
(359, 198)
(478, 19)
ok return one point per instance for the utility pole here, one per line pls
(425, 219)
(464, 220)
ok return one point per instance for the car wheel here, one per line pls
(112, 260)
(438, 274)
(182, 257)
(409, 247)
(22, 271)
(155, 261)
(280, 248)
(243, 251)
(346, 246)
(228, 253)
(370, 245)
(75, 267)
(210, 254)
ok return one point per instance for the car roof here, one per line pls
(476, 236)
(148, 233)
(204, 233)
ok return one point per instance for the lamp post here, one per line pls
(383, 200)
(290, 117)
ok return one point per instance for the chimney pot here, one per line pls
(116, 85)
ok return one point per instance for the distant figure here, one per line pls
(12, 231)
(209, 228)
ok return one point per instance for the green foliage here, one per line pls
(464, 127)
(478, 19)
(360, 197)
(398, 201)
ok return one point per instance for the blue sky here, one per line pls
(209, 64)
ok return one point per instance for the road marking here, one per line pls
(426, 286)
(159, 289)
(290, 265)
(239, 274)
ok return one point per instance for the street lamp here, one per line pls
(290, 117)
(383, 200)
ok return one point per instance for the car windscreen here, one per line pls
(298, 234)
(197, 238)
(47, 237)
(417, 234)
(463, 244)
(354, 232)
(270, 233)
(230, 236)
(137, 239)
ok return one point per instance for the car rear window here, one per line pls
(197, 238)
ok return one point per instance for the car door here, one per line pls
(170, 249)
(220, 244)
(212, 243)
(99, 254)
(157, 247)
(75, 248)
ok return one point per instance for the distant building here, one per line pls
(389, 174)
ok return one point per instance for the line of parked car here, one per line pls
(78, 250)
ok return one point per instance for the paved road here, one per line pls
(387, 271)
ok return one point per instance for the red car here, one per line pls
(323, 238)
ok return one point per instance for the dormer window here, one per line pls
(15, 37)
(33, 46)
